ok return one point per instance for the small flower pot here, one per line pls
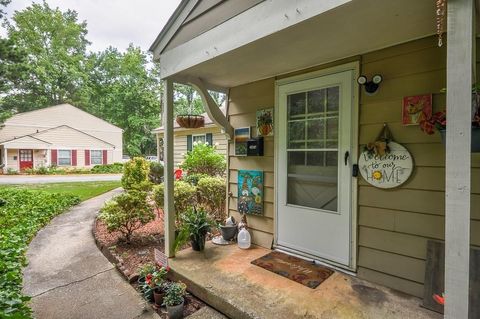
(198, 244)
(175, 312)
(191, 121)
(141, 281)
(158, 295)
(228, 231)
(475, 138)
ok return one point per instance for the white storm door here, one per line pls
(314, 182)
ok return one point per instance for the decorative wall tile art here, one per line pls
(242, 135)
(416, 108)
(250, 192)
(265, 122)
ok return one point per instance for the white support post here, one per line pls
(5, 160)
(169, 211)
(458, 162)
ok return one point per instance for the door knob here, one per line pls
(347, 155)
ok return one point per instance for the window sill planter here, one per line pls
(191, 121)
(475, 138)
(175, 312)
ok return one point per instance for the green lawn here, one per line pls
(84, 190)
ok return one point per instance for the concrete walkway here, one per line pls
(40, 179)
(68, 277)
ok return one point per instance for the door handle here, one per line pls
(347, 155)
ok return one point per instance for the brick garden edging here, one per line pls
(114, 258)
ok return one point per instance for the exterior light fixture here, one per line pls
(370, 86)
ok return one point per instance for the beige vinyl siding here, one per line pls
(244, 101)
(207, 15)
(180, 141)
(12, 159)
(393, 225)
(67, 137)
(40, 158)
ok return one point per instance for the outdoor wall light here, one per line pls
(370, 86)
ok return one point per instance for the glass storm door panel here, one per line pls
(314, 172)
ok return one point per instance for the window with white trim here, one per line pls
(96, 157)
(199, 138)
(65, 157)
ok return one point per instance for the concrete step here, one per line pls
(207, 313)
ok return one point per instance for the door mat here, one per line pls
(304, 272)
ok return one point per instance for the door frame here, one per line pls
(355, 68)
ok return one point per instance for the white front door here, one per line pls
(314, 173)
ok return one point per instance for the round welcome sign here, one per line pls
(389, 170)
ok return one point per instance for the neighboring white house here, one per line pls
(60, 135)
(185, 138)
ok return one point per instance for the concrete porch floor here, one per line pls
(223, 277)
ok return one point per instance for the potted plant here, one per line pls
(194, 226)
(439, 121)
(190, 121)
(144, 271)
(159, 285)
(174, 300)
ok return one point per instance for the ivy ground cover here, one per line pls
(22, 213)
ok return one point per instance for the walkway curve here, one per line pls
(68, 277)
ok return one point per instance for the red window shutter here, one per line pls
(74, 157)
(54, 157)
(104, 161)
(87, 157)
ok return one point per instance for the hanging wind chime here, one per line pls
(440, 17)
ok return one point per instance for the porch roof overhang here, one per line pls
(26, 142)
(280, 37)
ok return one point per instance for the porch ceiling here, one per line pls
(354, 28)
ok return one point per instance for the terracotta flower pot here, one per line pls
(191, 121)
(175, 312)
(158, 296)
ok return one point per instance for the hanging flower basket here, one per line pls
(475, 138)
(191, 121)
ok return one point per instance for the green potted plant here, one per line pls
(143, 271)
(439, 121)
(174, 300)
(159, 285)
(194, 226)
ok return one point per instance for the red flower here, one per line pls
(168, 268)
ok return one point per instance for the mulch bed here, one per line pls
(129, 257)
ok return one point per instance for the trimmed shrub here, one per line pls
(194, 178)
(135, 173)
(115, 168)
(156, 172)
(127, 212)
(204, 159)
(185, 196)
(212, 194)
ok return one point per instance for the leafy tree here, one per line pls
(12, 65)
(55, 43)
(186, 100)
(125, 91)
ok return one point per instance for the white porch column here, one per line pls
(458, 162)
(5, 159)
(169, 211)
